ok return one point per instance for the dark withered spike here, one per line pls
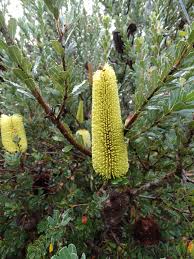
(132, 28)
(118, 42)
(146, 231)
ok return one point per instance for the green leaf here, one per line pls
(189, 97)
(83, 256)
(3, 45)
(191, 37)
(67, 148)
(15, 54)
(2, 20)
(24, 77)
(183, 106)
(26, 65)
(19, 88)
(57, 46)
(20, 74)
(58, 76)
(12, 25)
(30, 83)
(65, 221)
(64, 253)
(53, 9)
(72, 248)
(77, 89)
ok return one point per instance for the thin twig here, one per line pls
(153, 185)
(50, 114)
(65, 96)
(58, 123)
(173, 69)
(135, 151)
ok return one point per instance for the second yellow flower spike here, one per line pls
(50, 248)
(13, 133)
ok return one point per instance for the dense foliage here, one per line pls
(52, 201)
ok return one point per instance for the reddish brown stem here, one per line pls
(58, 123)
(174, 68)
(153, 185)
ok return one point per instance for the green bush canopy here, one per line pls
(52, 202)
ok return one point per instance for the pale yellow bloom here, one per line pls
(109, 150)
(13, 133)
(85, 134)
(50, 248)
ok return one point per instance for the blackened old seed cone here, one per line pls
(131, 29)
(41, 182)
(115, 208)
(118, 42)
(146, 231)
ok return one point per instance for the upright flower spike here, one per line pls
(13, 133)
(109, 150)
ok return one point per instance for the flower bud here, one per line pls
(85, 135)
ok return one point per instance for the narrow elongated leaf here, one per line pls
(2, 20)
(191, 37)
(15, 54)
(20, 74)
(24, 77)
(183, 106)
(26, 65)
(12, 25)
(57, 46)
(30, 83)
(79, 88)
(19, 88)
(189, 97)
(52, 8)
(3, 45)
(17, 57)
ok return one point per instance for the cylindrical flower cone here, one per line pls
(13, 133)
(109, 150)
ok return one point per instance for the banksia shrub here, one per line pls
(13, 133)
(109, 151)
(85, 135)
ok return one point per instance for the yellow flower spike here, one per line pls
(13, 133)
(80, 112)
(190, 247)
(50, 248)
(85, 134)
(109, 150)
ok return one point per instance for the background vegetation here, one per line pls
(51, 197)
